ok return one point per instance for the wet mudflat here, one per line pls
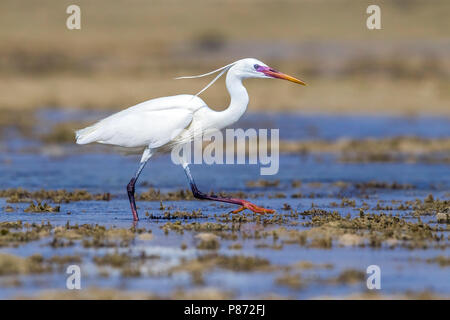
(62, 205)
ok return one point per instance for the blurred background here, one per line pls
(364, 160)
(130, 51)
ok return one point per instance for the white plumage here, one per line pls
(152, 123)
(162, 123)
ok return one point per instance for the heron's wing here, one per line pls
(153, 123)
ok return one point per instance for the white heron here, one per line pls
(160, 124)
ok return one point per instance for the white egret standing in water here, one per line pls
(161, 124)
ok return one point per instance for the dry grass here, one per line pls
(125, 54)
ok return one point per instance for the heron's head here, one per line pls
(246, 68)
(253, 68)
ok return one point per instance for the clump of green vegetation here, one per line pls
(238, 263)
(396, 149)
(293, 281)
(242, 263)
(213, 244)
(197, 278)
(314, 211)
(380, 207)
(17, 233)
(235, 246)
(308, 265)
(11, 225)
(131, 272)
(384, 185)
(156, 195)
(65, 259)
(429, 206)
(297, 195)
(345, 202)
(366, 229)
(239, 195)
(443, 261)
(208, 241)
(115, 260)
(273, 246)
(443, 217)
(61, 243)
(296, 184)
(322, 242)
(9, 209)
(278, 195)
(348, 276)
(186, 195)
(41, 207)
(179, 227)
(14, 265)
(129, 265)
(97, 236)
(261, 183)
(266, 219)
(173, 215)
(57, 196)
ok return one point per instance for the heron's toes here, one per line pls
(253, 207)
(238, 210)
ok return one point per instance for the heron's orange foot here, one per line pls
(253, 207)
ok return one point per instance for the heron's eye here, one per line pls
(256, 66)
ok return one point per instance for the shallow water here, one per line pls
(402, 270)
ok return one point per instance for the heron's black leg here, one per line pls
(130, 191)
(203, 196)
(132, 183)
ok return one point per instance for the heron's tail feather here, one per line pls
(86, 135)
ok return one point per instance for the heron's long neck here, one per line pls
(238, 103)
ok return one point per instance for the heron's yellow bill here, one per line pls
(279, 75)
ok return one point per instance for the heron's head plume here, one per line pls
(246, 68)
(220, 70)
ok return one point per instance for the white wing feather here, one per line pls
(152, 123)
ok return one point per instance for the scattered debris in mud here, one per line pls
(443, 217)
(293, 281)
(41, 207)
(348, 276)
(384, 185)
(429, 206)
(34, 264)
(261, 183)
(208, 241)
(153, 194)
(442, 261)
(173, 215)
(156, 195)
(396, 149)
(57, 196)
(238, 263)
